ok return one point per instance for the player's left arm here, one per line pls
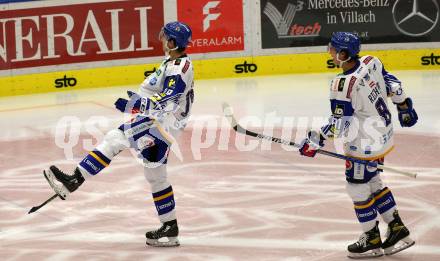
(407, 114)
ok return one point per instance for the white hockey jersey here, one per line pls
(168, 92)
(360, 112)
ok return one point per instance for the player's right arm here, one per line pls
(342, 104)
(407, 114)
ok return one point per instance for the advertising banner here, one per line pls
(80, 33)
(296, 23)
(14, 1)
(217, 26)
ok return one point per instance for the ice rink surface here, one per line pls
(236, 198)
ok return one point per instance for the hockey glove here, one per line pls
(408, 116)
(129, 106)
(311, 144)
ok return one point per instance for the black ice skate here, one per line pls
(165, 236)
(397, 236)
(369, 245)
(69, 183)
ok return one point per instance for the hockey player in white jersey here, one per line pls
(160, 111)
(361, 118)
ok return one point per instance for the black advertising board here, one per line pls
(296, 23)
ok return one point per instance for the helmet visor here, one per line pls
(162, 35)
(329, 47)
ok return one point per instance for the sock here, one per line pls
(164, 201)
(385, 204)
(366, 213)
(94, 162)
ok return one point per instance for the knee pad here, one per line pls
(114, 142)
(365, 210)
(157, 177)
(363, 202)
(376, 184)
(102, 155)
(358, 192)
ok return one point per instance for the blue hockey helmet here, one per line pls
(346, 41)
(180, 32)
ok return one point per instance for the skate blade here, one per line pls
(163, 242)
(369, 254)
(399, 246)
(61, 191)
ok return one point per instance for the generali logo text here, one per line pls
(78, 33)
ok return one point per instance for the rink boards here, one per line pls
(420, 59)
(48, 46)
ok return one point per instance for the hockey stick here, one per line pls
(33, 209)
(228, 112)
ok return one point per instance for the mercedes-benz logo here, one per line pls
(413, 19)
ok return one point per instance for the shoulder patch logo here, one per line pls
(366, 77)
(171, 83)
(350, 86)
(368, 59)
(339, 110)
(153, 81)
(341, 85)
(335, 84)
(185, 67)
